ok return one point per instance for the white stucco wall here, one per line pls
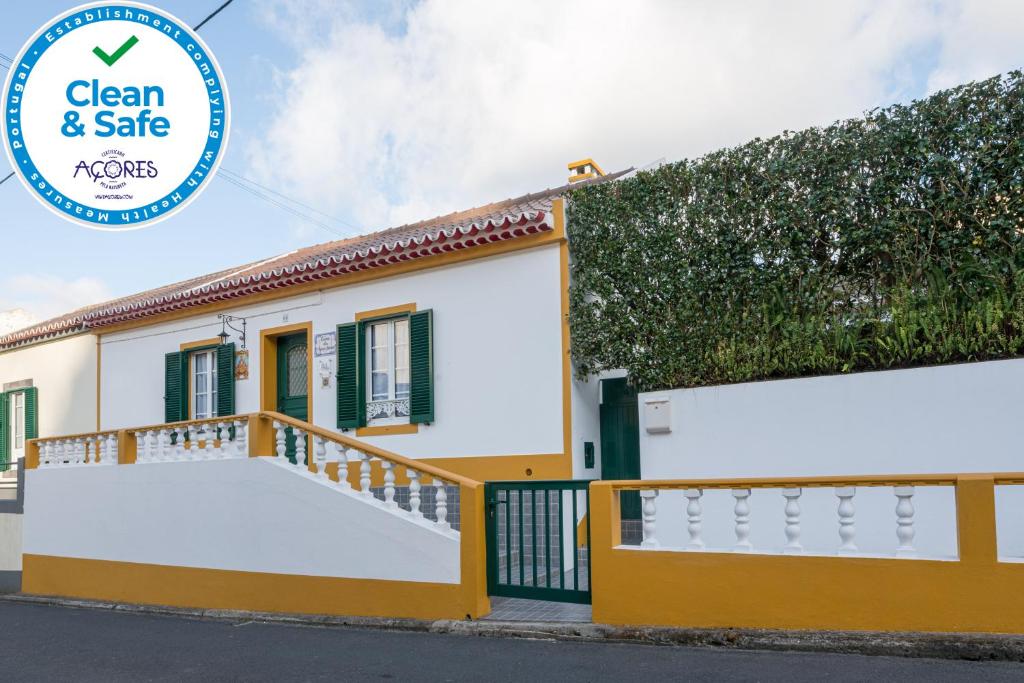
(64, 372)
(958, 418)
(246, 515)
(10, 542)
(497, 355)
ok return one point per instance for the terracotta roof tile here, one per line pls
(497, 221)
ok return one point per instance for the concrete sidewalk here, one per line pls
(962, 646)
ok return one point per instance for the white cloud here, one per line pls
(46, 296)
(444, 104)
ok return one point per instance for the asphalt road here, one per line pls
(45, 643)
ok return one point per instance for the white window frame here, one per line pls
(395, 404)
(211, 385)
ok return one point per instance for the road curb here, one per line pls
(963, 646)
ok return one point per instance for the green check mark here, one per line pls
(118, 53)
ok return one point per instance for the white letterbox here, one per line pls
(658, 415)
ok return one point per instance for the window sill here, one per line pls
(383, 430)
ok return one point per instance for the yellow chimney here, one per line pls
(583, 170)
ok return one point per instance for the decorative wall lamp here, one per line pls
(225, 325)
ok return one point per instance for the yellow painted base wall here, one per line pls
(976, 593)
(234, 590)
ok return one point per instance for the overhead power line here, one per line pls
(211, 16)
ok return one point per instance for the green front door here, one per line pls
(293, 382)
(620, 439)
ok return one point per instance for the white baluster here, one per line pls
(44, 454)
(102, 447)
(90, 457)
(343, 458)
(320, 453)
(742, 513)
(115, 455)
(179, 443)
(193, 441)
(389, 484)
(650, 514)
(280, 440)
(66, 452)
(209, 436)
(242, 438)
(792, 496)
(905, 521)
(152, 440)
(224, 448)
(694, 517)
(414, 492)
(141, 454)
(300, 449)
(79, 451)
(441, 497)
(161, 445)
(847, 530)
(364, 474)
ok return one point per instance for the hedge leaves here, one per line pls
(894, 240)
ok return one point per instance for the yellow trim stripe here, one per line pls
(563, 261)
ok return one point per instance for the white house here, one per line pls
(445, 340)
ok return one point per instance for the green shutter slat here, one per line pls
(5, 449)
(348, 377)
(175, 386)
(31, 413)
(421, 366)
(225, 380)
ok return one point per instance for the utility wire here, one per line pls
(7, 177)
(239, 176)
(282, 205)
(211, 16)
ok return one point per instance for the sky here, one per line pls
(371, 114)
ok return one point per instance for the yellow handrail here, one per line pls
(370, 449)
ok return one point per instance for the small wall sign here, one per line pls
(242, 364)
(325, 344)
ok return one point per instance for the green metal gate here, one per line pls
(538, 540)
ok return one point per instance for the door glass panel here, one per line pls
(298, 381)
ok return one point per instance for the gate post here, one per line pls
(473, 549)
(605, 534)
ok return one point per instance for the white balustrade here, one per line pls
(847, 530)
(650, 512)
(389, 484)
(300, 448)
(905, 521)
(320, 453)
(364, 474)
(111, 453)
(741, 511)
(414, 492)
(694, 518)
(792, 496)
(242, 438)
(280, 440)
(441, 499)
(343, 459)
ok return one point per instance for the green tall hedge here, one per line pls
(889, 241)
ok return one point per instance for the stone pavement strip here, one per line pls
(48, 642)
(965, 646)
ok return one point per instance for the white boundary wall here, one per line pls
(245, 515)
(497, 355)
(946, 419)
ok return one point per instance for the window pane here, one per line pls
(298, 365)
(380, 386)
(401, 359)
(200, 406)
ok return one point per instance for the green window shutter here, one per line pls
(31, 413)
(225, 380)
(175, 387)
(351, 406)
(5, 445)
(421, 366)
